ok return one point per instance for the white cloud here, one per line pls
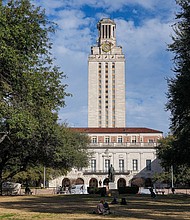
(144, 44)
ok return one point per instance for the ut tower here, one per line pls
(106, 79)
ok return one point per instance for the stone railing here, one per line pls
(126, 144)
(99, 172)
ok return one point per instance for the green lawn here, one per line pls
(164, 207)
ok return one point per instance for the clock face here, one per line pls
(106, 47)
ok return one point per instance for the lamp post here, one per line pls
(44, 177)
(172, 175)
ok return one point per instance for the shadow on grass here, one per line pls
(138, 206)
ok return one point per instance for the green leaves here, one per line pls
(178, 86)
(31, 93)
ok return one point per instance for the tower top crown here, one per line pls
(106, 31)
(106, 21)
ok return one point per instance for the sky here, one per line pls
(143, 29)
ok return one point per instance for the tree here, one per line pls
(31, 93)
(178, 86)
(165, 152)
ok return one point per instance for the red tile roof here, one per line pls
(116, 130)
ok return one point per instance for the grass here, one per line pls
(75, 207)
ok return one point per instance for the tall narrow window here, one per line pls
(94, 140)
(119, 139)
(135, 165)
(107, 139)
(134, 140)
(107, 165)
(121, 165)
(93, 165)
(148, 165)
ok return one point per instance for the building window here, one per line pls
(148, 165)
(121, 165)
(119, 139)
(107, 139)
(150, 141)
(135, 165)
(107, 165)
(93, 165)
(134, 139)
(94, 140)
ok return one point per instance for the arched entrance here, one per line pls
(79, 181)
(93, 182)
(66, 182)
(106, 182)
(121, 183)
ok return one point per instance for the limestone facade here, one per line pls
(131, 151)
(106, 80)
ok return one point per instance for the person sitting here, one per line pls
(106, 208)
(100, 207)
(123, 201)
